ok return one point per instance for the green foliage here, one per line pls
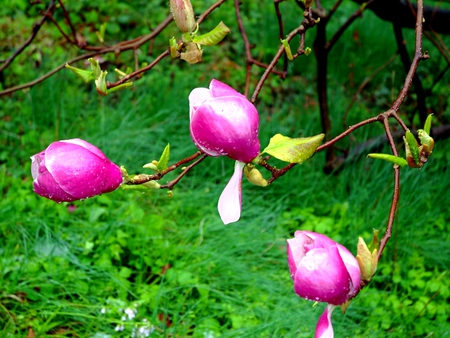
(80, 269)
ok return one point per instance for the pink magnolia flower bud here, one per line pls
(323, 271)
(183, 14)
(71, 170)
(224, 122)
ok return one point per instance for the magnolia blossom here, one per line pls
(323, 271)
(71, 170)
(224, 123)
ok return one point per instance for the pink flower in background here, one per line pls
(71, 170)
(323, 271)
(224, 123)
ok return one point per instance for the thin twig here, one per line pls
(120, 47)
(415, 62)
(364, 84)
(209, 11)
(395, 107)
(172, 183)
(395, 196)
(281, 31)
(276, 173)
(139, 71)
(143, 178)
(69, 22)
(36, 27)
(249, 59)
(346, 24)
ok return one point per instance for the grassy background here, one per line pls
(67, 273)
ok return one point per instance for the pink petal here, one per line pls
(220, 89)
(324, 328)
(77, 170)
(230, 200)
(296, 251)
(46, 186)
(196, 98)
(320, 241)
(113, 177)
(86, 145)
(321, 276)
(227, 127)
(353, 269)
(38, 164)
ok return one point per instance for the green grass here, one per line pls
(67, 273)
(173, 259)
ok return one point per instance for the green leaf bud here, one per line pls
(427, 126)
(390, 158)
(254, 176)
(287, 49)
(426, 141)
(100, 83)
(163, 162)
(412, 150)
(367, 260)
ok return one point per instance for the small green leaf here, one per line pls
(164, 159)
(213, 37)
(173, 47)
(427, 126)
(95, 67)
(413, 146)
(287, 49)
(375, 243)
(100, 83)
(101, 33)
(390, 158)
(119, 87)
(293, 150)
(85, 75)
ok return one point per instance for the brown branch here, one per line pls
(440, 46)
(172, 183)
(395, 107)
(36, 27)
(418, 87)
(139, 71)
(281, 31)
(143, 178)
(334, 9)
(307, 23)
(364, 84)
(52, 19)
(249, 59)
(346, 24)
(276, 173)
(120, 47)
(209, 11)
(395, 196)
(415, 62)
(69, 22)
